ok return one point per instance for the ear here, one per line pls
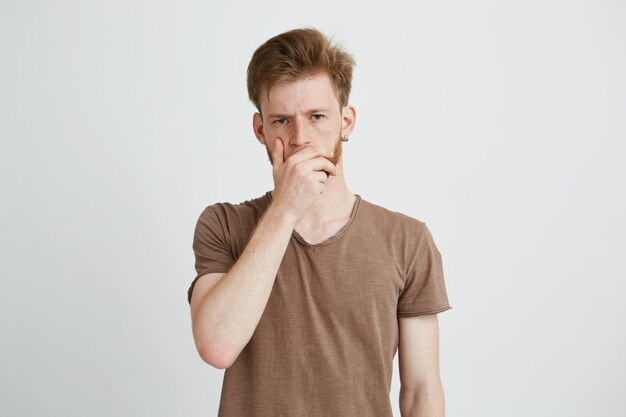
(348, 119)
(257, 126)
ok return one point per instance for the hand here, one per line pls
(301, 179)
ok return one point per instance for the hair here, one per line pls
(296, 54)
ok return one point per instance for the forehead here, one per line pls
(310, 92)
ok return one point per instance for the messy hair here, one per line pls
(296, 54)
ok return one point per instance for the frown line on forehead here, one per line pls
(311, 111)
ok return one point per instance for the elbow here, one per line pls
(215, 358)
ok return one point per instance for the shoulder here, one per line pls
(390, 220)
(227, 212)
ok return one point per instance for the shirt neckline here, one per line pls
(341, 232)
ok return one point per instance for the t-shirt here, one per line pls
(325, 343)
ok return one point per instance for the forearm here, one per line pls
(425, 402)
(230, 312)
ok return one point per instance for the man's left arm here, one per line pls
(421, 391)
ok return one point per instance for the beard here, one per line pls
(337, 151)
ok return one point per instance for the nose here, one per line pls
(299, 134)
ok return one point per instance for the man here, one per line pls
(304, 294)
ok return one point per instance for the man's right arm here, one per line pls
(227, 307)
(225, 310)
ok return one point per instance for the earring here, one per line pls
(345, 138)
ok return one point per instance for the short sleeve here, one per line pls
(424, 291)
(210, 246)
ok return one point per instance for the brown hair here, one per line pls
(296, 54)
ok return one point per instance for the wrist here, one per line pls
(280, 217)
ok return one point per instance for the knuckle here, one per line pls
(299, 169)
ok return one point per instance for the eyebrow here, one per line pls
(282, 116)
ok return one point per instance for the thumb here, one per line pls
(277, 154)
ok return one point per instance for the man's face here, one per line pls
(301, 113)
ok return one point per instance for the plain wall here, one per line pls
(501, 124)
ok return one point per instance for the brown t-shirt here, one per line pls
(325, 343)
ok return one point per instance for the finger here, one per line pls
(309, 152)
(277, 154)
(321, 176)
(319, 164)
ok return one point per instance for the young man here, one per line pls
(305, 293)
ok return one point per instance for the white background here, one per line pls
(501, 124)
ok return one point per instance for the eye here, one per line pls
(318, 116)
(280, 122)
